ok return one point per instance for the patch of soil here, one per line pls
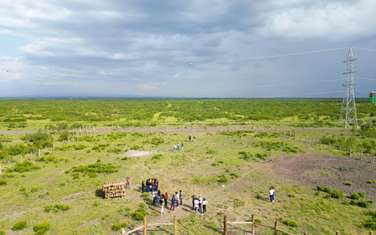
(138, 153)
(330, 171)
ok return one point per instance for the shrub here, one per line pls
(360, 203)
(371, 221)
(56, 208)
(49, 159)
(247, 156)
(290, 223)
(92, 169)
(19, 225)
(333, 193)
(222, 179)
(39, 140)
(41, 228)
(371, 182)
(24, 166)
(347, 183)
(357, 195)
(3, 182)
(140, 213)
(117, 227)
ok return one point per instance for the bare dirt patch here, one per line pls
(337, 172)
(138, 153)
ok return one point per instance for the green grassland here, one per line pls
(51, 176)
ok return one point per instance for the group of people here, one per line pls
(177, 147)
(151, 185)
(161, 200)
(199, 204)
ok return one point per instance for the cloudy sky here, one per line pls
(197, 48)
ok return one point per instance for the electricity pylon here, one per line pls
(348, 113)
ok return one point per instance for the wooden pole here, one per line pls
(253, 224)
(175, 225)
(275, 227)
(145, 226)
(224, 225)
(337, 232)
(370, 232)
(305, 233)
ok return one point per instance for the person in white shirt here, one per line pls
(272, 194)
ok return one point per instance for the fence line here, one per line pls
(226, 224)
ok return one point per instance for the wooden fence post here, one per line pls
(337, 232)
(224, 225)
(275, 227)
(253, 224)
(305, 233)
(370, 232)
(145, 226)
(175, 225)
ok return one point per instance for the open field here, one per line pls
(56, 154)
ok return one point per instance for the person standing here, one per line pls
(272, 194)
(196, 204)
(200, 200)
(165, 199)
(162, 205)
(181, 197)
(177, 199)
(204, 203)
(173, 202)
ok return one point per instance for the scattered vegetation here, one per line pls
(23, 166)
(41, 228)
(140, 212)
(331, 192)
(56, 208)
(19, 225)
(92, 170)
(290, 223)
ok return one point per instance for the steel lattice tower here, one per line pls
(348, 113)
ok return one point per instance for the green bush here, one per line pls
(371, 221)
(92, 170)
(39, 140)
(290, 223)
(333, 193)
(347, 183)
(3, 182)
(23, 166)
(19, 225)
(222, 179)
(357, 195)
(360, 203)
(41, 228)
(247, 156)
(56, 208)
(117, 227)
(140, 213)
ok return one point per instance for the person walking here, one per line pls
(272, 194)
(204, 203)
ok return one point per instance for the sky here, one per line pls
(180, 48)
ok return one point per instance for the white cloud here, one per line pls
(328, 20)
